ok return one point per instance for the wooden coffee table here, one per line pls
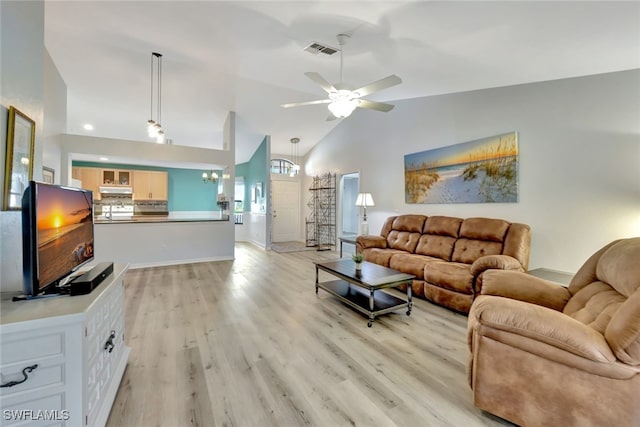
(363, 290)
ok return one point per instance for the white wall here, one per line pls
(164, 243)
(579, 143)
(21, 85)
(55, 119)
(256, 228)
(71, 145)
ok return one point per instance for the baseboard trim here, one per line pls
(177, 262)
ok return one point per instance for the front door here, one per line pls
(286, 211)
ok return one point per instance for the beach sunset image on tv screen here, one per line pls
(65, 231)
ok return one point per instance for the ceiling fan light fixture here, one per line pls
(344, 98)
(343, 107)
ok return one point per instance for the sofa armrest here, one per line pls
(366, 242)
(499, 262)
(541, 324)
(524, 287)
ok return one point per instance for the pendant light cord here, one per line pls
(159, 87)
(151, 81)
(341, 49)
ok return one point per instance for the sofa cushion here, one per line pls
(412, 223)
(454, 276)
(442, 226)
(623, 331)
(403, 240)
(594, 305)
(411, 263)
(469, 250)
(387, 226)
(619, 266)
(490, 229)
(439, 236)
(436, 246)
(380, 256)
(517, 243)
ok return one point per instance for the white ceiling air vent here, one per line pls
(315, 48)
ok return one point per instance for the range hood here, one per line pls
(116, 190)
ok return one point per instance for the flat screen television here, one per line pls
(57, 234)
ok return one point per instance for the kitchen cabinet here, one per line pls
(90, 177)
(116, 177)
(150, 185)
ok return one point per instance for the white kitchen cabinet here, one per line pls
(78, 345)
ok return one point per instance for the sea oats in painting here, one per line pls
(481, 171)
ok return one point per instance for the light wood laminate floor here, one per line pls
(249, 343)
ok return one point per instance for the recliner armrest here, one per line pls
(365, 242)
(540, 324)
(499, 262)
(524, 287)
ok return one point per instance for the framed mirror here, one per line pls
(21, 135)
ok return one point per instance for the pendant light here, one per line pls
(154, 128)
(295, 168)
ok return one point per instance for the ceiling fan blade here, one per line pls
(373, 105)
(298, 104)
(318, 79)
(388, 81)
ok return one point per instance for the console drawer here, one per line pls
(44, 348)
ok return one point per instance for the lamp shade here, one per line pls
(365, 199)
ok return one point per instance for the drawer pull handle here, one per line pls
(109, 344)
(25, 371)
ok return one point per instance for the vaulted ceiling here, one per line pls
(248, 57)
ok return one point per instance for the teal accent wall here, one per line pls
(242, 169)
(253, 171)
(187, 191)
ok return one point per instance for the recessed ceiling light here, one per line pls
(88, 126)
(104, 159)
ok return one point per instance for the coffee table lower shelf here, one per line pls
(373, 303)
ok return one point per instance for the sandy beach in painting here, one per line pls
(452, 188)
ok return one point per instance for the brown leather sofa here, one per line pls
(546, 355)
(448, 255)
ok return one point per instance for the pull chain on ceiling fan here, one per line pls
(342, 99)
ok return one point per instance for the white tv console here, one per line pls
(78, 346)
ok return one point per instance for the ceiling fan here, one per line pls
(343, 99)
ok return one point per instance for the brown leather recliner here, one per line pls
(546, 355)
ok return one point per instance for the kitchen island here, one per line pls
(149, 241)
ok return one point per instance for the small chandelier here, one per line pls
(154, 128)
(212, 177)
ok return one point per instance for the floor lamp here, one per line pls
(363, 200)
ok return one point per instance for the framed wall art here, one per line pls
(480, 171)
(21, 135)
(48, 175)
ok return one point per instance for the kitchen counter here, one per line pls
(155, 219)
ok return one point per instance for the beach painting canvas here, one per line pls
(481, 171)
